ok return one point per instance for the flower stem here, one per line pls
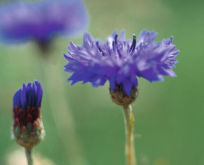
(129, 122)
(28, 153)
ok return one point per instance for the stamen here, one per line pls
(116, 37)
(99, 48)
(132, 48)
(115, 45)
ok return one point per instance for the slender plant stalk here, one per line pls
(129, 122)
(28, 153)
(61, 112)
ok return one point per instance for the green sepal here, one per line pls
(17, 131)
(36, 132)
(29, 128)
(24, 136)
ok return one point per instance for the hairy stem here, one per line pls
(28, 153)
(129, 122)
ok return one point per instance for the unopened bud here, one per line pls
(27, 126)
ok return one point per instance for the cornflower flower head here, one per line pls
(42, 20)
(27, 124)
(120, 62)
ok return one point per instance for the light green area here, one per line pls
(169, 115)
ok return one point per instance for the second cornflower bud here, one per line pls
(27, 126)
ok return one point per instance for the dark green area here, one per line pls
(169, 115)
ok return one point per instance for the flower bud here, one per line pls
(27, 124)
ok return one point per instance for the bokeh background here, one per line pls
(89, 130)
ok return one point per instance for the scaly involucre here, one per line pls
(121, 61)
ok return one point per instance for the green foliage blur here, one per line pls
(169, 115)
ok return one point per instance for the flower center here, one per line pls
(116, 46)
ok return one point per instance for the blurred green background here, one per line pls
(169, 115)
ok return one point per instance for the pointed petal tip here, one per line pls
(173, 75)
(71, 46)
(69, 79)
(114, 32)
(36, 82)
(86, 34)
(65, 55)
(171, 39)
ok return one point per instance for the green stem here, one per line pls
(129, 121)
(28, 153)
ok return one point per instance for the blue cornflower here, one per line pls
(41, 21)
(27, 125)
(121, 61)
